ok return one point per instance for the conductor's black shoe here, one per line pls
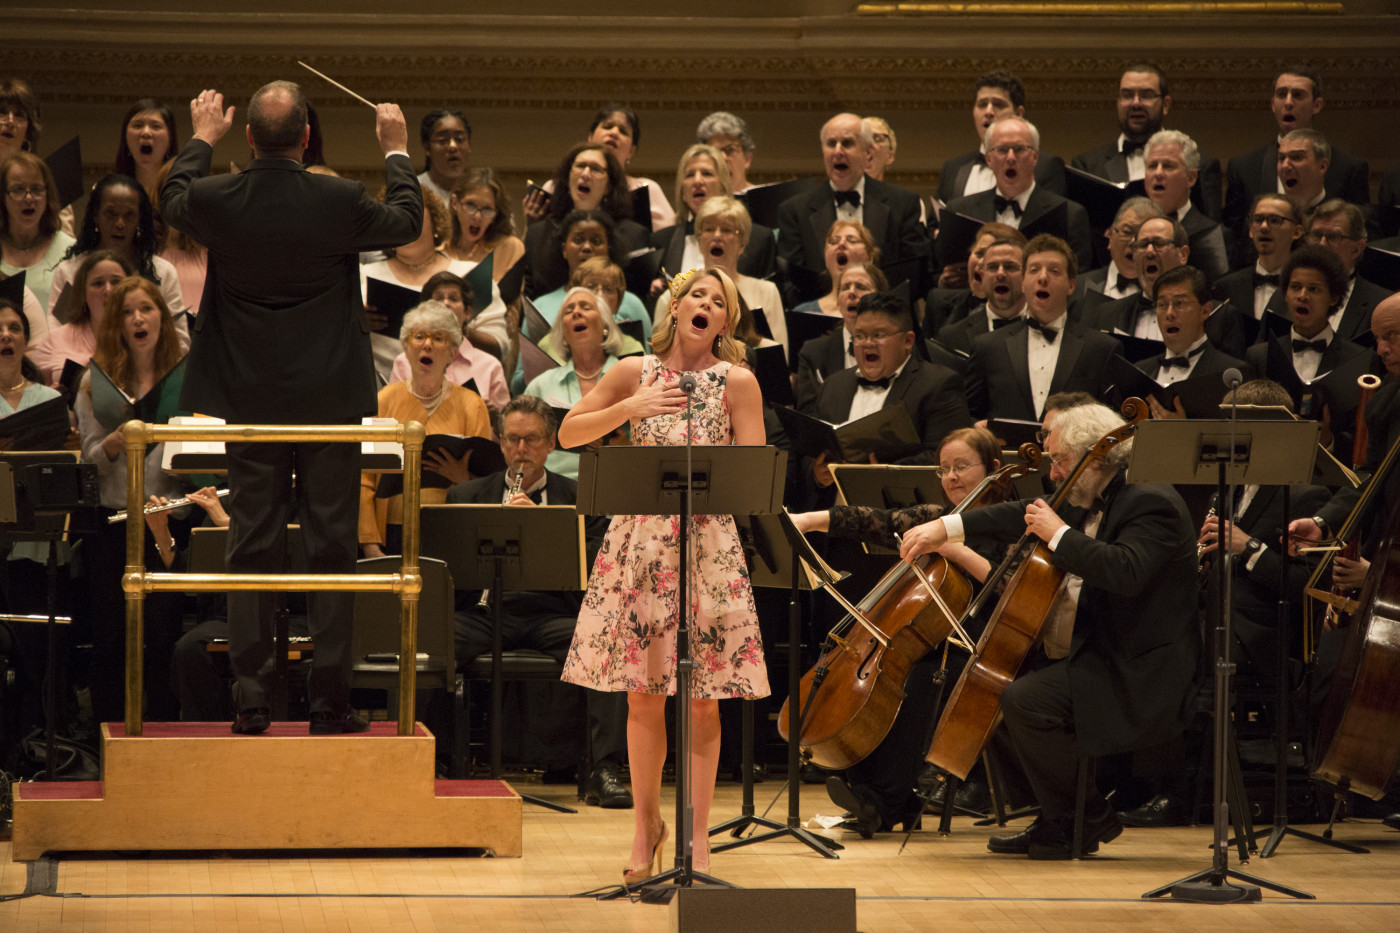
(337, 723)
(606, 790)
(1162, 810)
(1393, 821)
(865, 815)
(1057, 842)
(252, 721)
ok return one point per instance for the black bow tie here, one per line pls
(1046, 331)
(999, 322)
(1183, 361)
(864, 383)
(1263, 278)
(1300, 345)
(851, 197)
(1129, 147)
(979, 157)
(1000, 205)
(850, 347)
(1119, 282)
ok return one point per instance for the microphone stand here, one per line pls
(683, 874)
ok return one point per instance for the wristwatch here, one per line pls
(1321, 525)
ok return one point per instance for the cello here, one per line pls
(850, 697)
(973, 709)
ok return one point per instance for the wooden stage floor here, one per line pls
(933, 883)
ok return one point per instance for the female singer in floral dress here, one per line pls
(626, 633)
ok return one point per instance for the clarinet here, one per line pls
(510, 494)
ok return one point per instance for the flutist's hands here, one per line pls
(390, 127)
(211, 121)
(208, 500)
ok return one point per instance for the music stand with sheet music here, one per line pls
(1227, 453)
(684, 481)
(775, 566)
(38, 490)
(489, 547)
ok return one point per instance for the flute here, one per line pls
(172, 504)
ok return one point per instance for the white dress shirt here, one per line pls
(1166, 375)
(845, 211)
(1041, 357)
(1305, 364)
(870, 399)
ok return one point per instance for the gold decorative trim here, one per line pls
(1051, 8)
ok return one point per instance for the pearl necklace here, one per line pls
(411, 267)
(592, 375)
(429, 402)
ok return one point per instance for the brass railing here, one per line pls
(137, 582)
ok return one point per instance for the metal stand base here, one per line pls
(547, 804)
(658, 889)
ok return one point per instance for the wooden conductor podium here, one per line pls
(181, 786)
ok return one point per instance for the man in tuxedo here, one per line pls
(282, 338)
(889, 212)
(542, 621)
(961, 288)
(1341, 228)
(886, 374)
(1173, 163)
(1013, 370)
(1182, 298)
(1116, 666)
(1314, 283)
(1005, 305)
(1143, 102)
(1013, 151)
(1275, 228)
(1118, 279)
(1296, 100)
(998, 94)
(823, 357)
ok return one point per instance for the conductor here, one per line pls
(282, 338)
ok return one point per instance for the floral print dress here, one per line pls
(625, 639)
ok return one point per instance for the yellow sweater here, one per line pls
(462, 412)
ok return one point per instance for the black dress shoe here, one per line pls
(1056, 843)
(1018, 844)
(865, 815)
(1393, 821)
(974, 796)
(1161, 810)
(606, 790)
(337, 723)
(252, 721)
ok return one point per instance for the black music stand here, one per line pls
(775, 567)
(208, 546)
(888, 486)
(1226, 453)
(684, 481)
(37, 491)
(488, 547)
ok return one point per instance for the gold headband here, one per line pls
(678, 283)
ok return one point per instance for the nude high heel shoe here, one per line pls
(653, 866)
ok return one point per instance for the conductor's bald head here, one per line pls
(277, 123)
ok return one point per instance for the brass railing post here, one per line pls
(133, 580)
(413, 434)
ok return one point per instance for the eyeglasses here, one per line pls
(1269, 220)
(879, 335)
(1018, 151)
(437, 340)
(529, 440)
(442, 139)
(20, 192)
(1178, 304)
(722, 231)
(1122, 232)
(584, 168)
(1325, 236)
(1060, 460)
(476, 210)
(1158, 243)
(731, 150)
(943, 472)
(881, 138)
(843, 241)
(1147, 96)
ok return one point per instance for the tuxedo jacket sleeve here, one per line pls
(282, 336)
(818, 360)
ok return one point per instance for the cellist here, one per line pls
(1116, 669)
(879, 790)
